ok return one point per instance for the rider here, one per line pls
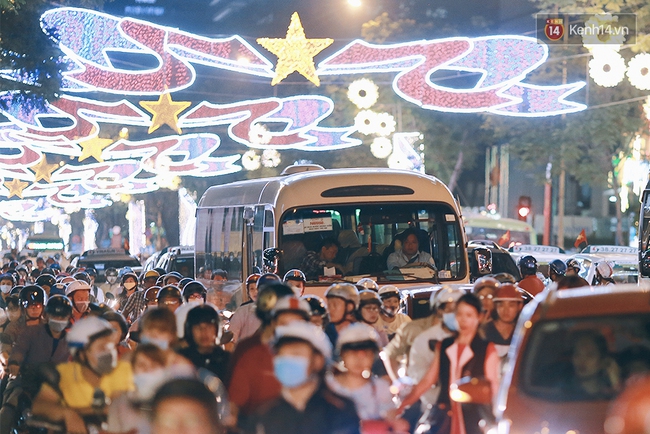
(342, 304)
(79, 294)
(390, 319)
(484, 288)
(556, 270)
(194, 291)
(7, 281)
(369, 307)
(32, 301)
(573, 267)
(169, 297)
(530, 282)
(318, 310)
(603, 274)
(244, 323)
(297, 279)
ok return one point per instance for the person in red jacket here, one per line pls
(530, 282)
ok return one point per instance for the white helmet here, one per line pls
(604, 269)
(346, 291)
(85, 330)
(77, 285)
(308, 332)
(446, 294)
(388, 291)
(292, 303)
(367, 283)
(358, 335)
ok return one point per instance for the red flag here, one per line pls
(582, 239)
(505, 239)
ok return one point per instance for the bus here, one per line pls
(503, 231)
(364, 210)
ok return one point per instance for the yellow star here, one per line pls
(16, 187)
(165, 112)
(94, 148)
(43, 171)
(295, 52)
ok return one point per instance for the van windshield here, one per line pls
(365, 236)
(585, 359)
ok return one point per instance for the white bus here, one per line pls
(364, 210)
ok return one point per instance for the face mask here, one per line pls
(6, 289)
(160, 343)
(389, 312)
(81, 306)
(147, 383)
(450, 321)
(111, 279)
(129, 286)
(57, 326)
(106, 362)
(13, 315)
(291, 371)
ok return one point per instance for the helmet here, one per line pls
(8, 276)
(367, 283)
(507, 291)
(558, 267)
(128, 274)
(295, 275)
(504, 278)
(91, 272)
(59, 305)
(184, 281)
(291, 303)
(253, 278)
(604, 269)
(45, 280)
(77, 285)
(388, 291)
(170, 291)
(346, 291)
(446, 294)
(16, 290)
(86, 330)
(357, 336)
(306, 332)
(528, 265)
(173, 275)
(113, 316)
(367, 296)
(123, 271)
(32, 294)
(316, 304)
(151, 274)
(111, 271)
(201, 314)
(82, 275)
(573, 263)
(151, 294)
(268, 296)
(192, 288)
(267, 278)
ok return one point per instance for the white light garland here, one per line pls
(250, 160)
(259, 134)
(385, 124)
(607, 68)
(271, 158)
(363, 93)
(381, 147)
(594, 37)
(638, 71)
(366, 122)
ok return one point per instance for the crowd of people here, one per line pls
(150, 353)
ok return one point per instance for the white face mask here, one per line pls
(147, 383)
(129, 285)
(111, 279)
(6, 289)
(81, 306)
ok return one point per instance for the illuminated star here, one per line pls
(43, 171)
(94, 148)
(295, 52)
(16, 187)
(165, 112)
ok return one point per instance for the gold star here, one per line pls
(94, 148)
(295, 52)
(43, 171)
(165, 112)
(16, 187)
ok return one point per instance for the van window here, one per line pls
(367, 234)
(585, 359)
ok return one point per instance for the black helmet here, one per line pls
(8, 276)
(59, 305)
(184, 281)
(266, 279)
(169, 291)
(295, 275)
(192, 288)
(528, 265)
(268, 295)
(201, 314)
(316, 304)
(32, 294)
(573, 263)
(161, 271)
(558, 267)
(151, 294)
(16, 290)
(45, 280)
(82, 275)
(112, 316)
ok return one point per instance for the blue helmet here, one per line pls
(528, 265)
(558, 267)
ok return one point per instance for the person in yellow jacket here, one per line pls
(88, 382)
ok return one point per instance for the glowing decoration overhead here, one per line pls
(404, 156)
(259, 134)
(638, 71)
(381, 147)
(165, 112)
(363, 93)
(295, 53)
(43, 171)
(646, 108)
(93, 148)
(15, 187)
(607, 68)
(385, 124)
(250, 160)
(271, 158)
(604, 20)
(366, 122)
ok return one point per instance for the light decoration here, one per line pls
(638, 71)
(594, 38)
(270, 158)
(607, 68)
(366, 122)
(385, 124)
(404, 156)
(137, 226)
(295, 52)
(186, 217)
(363, 93)
(250, 160)
(90, 230)
(381, 147)
(96, 168)
(646, 108)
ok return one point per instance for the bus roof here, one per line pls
(497, 223)
(330, 186)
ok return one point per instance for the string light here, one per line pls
(381, 147)
(385, 124)
(607, 68)
(270, 158)
(363, 93)
(638, 71)
(366, 122)
(250, 160)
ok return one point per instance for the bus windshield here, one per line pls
(366, 235)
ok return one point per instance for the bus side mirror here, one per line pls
(469, 390)
(483, 258)
(645, 264)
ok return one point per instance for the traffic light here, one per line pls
(524, 208)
